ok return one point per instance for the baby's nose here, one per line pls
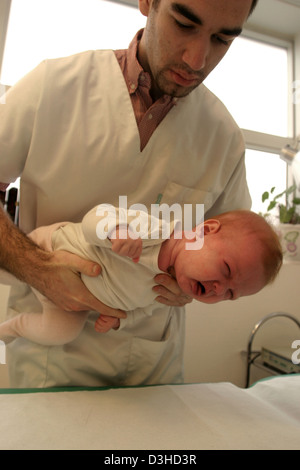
(219, 288)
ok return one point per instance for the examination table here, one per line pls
(167, 417)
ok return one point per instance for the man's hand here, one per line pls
(169, 293)
(61, 283)
(55, 274)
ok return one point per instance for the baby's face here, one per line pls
(224, 269)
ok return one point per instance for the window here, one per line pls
(253, 81)
(39, 30)
(264, 170)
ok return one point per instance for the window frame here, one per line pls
(268, 142)
(4, 17)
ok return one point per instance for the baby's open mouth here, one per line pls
(200, 289)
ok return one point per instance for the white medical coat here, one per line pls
(68, 128)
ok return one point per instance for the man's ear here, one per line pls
(144, 6)
(211, 226)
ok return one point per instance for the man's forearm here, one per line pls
(18, 254)
(54, 274)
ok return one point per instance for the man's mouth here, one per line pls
(184, 79)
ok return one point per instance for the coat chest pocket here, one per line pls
(189, 200)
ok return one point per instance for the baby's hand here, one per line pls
(105, 323)
(124, 244)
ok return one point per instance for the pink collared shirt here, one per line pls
(148, 114)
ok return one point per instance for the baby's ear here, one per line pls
(211, 226)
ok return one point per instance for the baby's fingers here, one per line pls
(136, 251)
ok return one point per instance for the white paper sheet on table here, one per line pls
(179, 417)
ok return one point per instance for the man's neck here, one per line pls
(155, 92)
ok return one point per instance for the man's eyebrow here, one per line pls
(187, 12)
(190, 15)
(231, 32)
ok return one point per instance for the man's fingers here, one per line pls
(67, 289)
(100, 307)
(169, 293)
(89, 268)
(86, 301)
(78, 264)
(169, 283)
(89, 302)
(179, 302)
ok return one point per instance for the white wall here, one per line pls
(4, 292)
(216, 334)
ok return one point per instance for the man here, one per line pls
(68, 128)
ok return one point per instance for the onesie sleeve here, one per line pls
(99, 223)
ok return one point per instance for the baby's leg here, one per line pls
(8, 279)
(52, 327)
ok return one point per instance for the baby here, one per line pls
(240, 255)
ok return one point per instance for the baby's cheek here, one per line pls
(184, 285)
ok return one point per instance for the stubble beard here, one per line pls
(174, 90)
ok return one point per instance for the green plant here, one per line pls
(287, 212)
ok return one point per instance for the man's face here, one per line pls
(225, 268)
(184, 40)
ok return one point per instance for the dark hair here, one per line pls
(254, 3)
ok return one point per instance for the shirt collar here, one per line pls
(137, 76)
(135, 70)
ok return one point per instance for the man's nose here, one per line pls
(196, 53)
